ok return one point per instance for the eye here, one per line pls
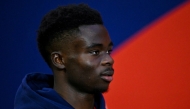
(95, 52)
(109, 51)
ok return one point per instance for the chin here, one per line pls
(104, 91)
(101, 90)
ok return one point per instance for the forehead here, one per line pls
(94, 34)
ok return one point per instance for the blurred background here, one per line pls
(152, 50)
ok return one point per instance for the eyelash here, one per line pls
(95, 52)
(109, 51)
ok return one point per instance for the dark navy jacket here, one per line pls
(35, 92)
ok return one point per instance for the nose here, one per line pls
(107, 60)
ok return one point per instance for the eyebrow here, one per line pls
(98, 45)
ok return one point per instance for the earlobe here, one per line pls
(57, 60)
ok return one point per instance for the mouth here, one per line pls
(107, 75)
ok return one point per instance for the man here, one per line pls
(76, 46)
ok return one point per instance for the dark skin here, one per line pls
(85, 68)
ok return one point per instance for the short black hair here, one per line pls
(64, 20)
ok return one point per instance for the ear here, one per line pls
(57, 60)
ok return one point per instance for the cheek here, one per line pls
(91, 64)
(81, 73)
(79, 67)
(84, 64)
(90, 61)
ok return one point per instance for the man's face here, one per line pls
(88, 62)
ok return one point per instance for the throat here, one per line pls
(80, 101)
(76, 99)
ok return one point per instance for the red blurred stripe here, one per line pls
(152, 71)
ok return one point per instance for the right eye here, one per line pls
(109, 51)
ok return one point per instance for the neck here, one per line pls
(78, 100)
